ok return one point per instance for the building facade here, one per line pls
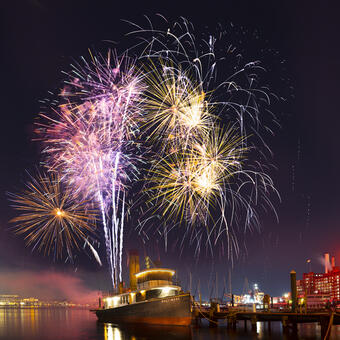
(326, 284)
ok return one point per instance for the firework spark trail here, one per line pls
(115, 220)
(106, 230)
(107, 236)
(95, 253)
(121, 240)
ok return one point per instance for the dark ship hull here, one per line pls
(172, 310)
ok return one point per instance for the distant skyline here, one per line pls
(298, 44)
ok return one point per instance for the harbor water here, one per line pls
(74, 324)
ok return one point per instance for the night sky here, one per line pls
(302, 56)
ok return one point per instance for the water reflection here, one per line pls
(111, 332)
(69, 324)
(128, 332)
(48, 324)
(264, 331)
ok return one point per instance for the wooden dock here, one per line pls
(289, 320)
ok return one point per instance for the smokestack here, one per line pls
(134, 268)
(327, 264)
(121, 288)
(333, 262)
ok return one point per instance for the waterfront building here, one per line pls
(320, 287)
(9, 300)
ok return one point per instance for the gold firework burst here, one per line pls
(51, 218)
(175, 105)
(187, 184)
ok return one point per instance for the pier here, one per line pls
(289, 320)
(289, 317)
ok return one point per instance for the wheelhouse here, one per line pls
(153, 283)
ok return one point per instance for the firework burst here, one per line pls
(50, 218)
(85, 135)
(187, 183)
(175, 107)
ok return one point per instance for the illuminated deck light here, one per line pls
(156, 270)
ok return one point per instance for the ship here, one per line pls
(152, 299)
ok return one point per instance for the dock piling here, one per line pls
(325, 323)
(284, 322)
(253, 321)
(293, 290)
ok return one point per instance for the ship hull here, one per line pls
(174, 310)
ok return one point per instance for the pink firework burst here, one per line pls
(89, 138)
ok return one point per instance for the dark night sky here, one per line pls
(39, 40)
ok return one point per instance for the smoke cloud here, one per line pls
(47, 285)
(321, 260)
